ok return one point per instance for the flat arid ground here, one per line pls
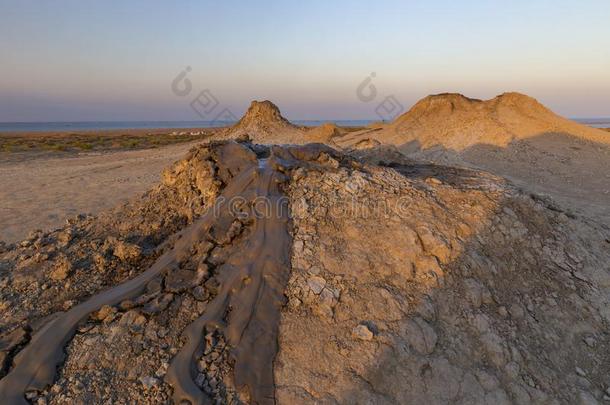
(43, 185)
(441, 258)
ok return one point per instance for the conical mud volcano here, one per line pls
(263, 122)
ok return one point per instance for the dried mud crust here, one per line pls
(397, 283)
(460, 290)
(198, 325)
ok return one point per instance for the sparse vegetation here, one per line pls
(91, 142)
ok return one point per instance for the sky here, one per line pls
(116, 60)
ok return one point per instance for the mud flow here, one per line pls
(241, 245)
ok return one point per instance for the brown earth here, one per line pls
(263, 123)
(511, 135)
(41, 192)
(303, 274)
(406, 283)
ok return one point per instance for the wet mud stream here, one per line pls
(251, 219)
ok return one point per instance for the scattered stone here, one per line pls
(181, 280)
(590, 341)
(199, 293)
(362, 332)
(516, 311)
(127, 251)
(502, 311)
(158, 304)
(585, 398)
(149, 381)
(316, 284)
(104, 313)
(61, 268)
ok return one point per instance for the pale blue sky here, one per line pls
(115, 60)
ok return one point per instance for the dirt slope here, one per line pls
(389, 282)
(457, 122)
(42, 192)
(264, 123)
(511, 135)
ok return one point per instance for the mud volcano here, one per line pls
(298, 274)
(249, 226)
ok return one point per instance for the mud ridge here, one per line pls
(250, 282)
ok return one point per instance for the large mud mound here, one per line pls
(325, 133)
(429, 284)
(512, 135)
(458, 122)
(259, 274)
(264, 123)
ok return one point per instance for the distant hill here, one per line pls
(263, 122)
(457, 122)
(512, 135)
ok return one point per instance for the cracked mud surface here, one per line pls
(368, 279)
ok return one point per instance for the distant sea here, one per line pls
(110, 125)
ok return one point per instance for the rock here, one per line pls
(580, 372)
(434, 181)
(585, 398)
(362, 332)
(149, 381)
(590, 341)
(502, 312)
(61, 268)
(516, 311)
(420, 335)
(316, 284)
(162, 370)
(158, 304)
(181, 280)
(127, 251)
(433, 245)
(104, 313)
(133, 320)
(150, 332)
(31, 395)
(199, 293)
(298, 246)
(328, 296)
